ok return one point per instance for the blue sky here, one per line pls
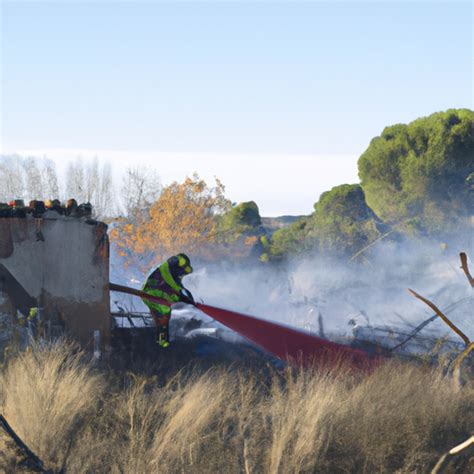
(225, 80)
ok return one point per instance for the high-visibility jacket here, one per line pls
(162, 284)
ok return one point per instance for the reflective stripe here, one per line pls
(171, 297)
(166, 274)
(160, 308)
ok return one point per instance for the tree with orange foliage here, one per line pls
(183, 219)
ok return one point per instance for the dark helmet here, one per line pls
(180, 265)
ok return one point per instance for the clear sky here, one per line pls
(192, 86)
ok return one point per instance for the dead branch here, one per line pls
(442, 316)
(464, 449)
(32, 461)
(469, 345)
(465, 268)
(428, 321)
(459, 361)
(367, 247)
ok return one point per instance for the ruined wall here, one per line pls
(62, 263)
(7, 312)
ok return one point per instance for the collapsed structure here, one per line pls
(57, 262)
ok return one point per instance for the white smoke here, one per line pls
(373, 294)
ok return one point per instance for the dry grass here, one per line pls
(398, 419)
(47, 395)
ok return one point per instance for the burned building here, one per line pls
(59, 264)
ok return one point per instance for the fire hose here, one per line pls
(284, 342)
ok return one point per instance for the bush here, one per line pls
(242, 220)
(291, 240)
(343, 223)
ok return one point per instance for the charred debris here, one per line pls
(37, 209)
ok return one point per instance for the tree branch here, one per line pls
(464, 449)
(442, 316)
(465, 268)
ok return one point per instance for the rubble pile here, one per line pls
(38, 209)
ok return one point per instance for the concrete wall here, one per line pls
(7, 313)
(63, 263)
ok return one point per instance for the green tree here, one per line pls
(421, 173)
(342, 221)
(287, 241)
(242, 220)
(240, 232)
(341, 225)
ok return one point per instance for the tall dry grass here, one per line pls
(48, 394)
(397, 419)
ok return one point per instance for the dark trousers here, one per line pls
(162, 322)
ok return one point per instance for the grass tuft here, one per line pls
(399, 418)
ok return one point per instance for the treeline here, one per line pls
(32, 178)
(28, 178)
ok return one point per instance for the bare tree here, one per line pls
(33, 179)
(75, 180)
(12, 183)
(27, 178)
(91, 182)
(141, 187)
(103, 192)
(49, 177)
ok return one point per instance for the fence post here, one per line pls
(97, 350)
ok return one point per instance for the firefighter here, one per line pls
(35, 323)
(166, 282)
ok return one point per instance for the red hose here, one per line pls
(286, 343)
